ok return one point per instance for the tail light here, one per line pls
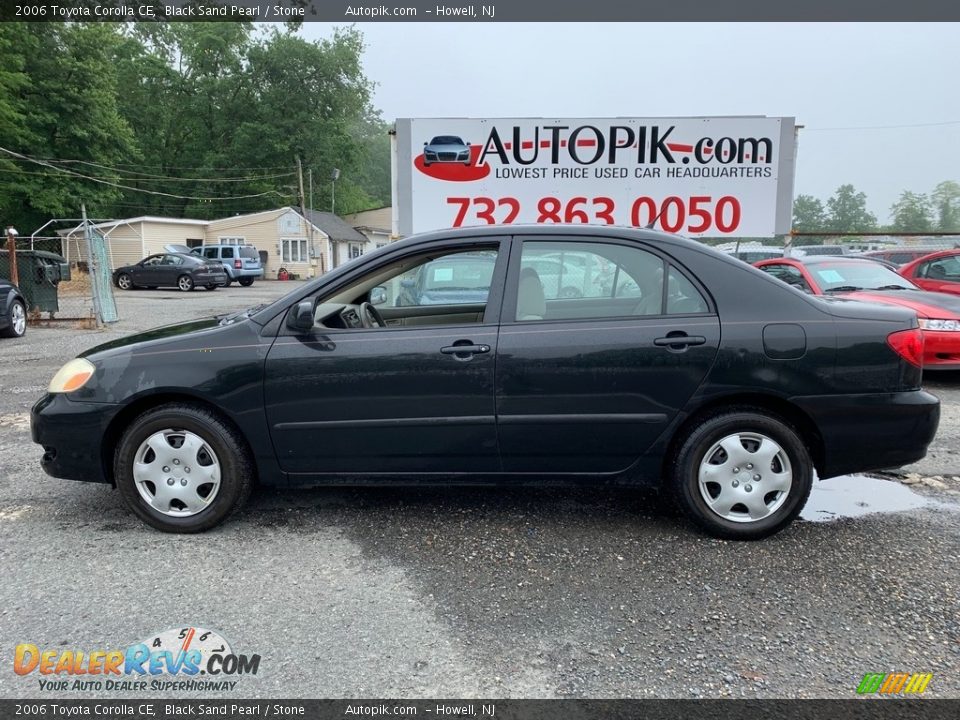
(237, 264)
(908, 344)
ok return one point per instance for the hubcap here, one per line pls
(185, 283)
(124, 282)
(162, 473)
(19, 318)
(745, 477)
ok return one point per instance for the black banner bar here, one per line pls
(469, 11)
(859, 709)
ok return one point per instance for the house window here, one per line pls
(356, 250)
(232, 240)
(294, 250)
(194, 242)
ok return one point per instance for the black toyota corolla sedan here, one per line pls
(171, 269)
(674, 366)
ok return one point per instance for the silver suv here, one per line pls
(242, 262)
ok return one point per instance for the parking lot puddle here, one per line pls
(851, 496)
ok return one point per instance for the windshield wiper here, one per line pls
(843, 288)
(891, 287)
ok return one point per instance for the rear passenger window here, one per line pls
(568, 280)
(682, 297)
(226, 252)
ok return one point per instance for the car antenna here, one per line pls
(654, 221)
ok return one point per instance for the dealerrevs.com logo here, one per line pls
(180, 659)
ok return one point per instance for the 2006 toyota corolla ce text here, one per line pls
(673, 365)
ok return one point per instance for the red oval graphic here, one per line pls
(452, 171)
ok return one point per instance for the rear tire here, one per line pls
(221, 463)
(185, 283)
(741, 474)
(246, 282)
(17, 326)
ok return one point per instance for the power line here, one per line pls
(151, 176)
(177, 167)
(44, 163)
(884, 127)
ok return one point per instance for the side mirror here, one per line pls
(301, 316)
(424, 144)
(378, 296)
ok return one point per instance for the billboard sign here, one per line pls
(701, 177)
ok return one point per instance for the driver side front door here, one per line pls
(393, 400)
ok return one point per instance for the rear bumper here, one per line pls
(236, 273)
(874, 431)
(71, 434)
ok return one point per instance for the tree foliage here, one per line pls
(946, 206)
(912, 213)
(180, 111)
(809, 214)
(848, 212)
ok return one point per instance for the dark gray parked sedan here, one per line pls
(177, 270)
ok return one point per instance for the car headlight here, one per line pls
(72, 376)
(932, 324)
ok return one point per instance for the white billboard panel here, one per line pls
(701, 177)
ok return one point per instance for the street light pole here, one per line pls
(334, 176)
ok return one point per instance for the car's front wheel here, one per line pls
(741, 474)
(182, 469)
(124, 281)
(185, 283)
(18, 321)
(211, 286)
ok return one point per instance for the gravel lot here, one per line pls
(480, 592)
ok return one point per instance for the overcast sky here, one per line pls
(826, 75)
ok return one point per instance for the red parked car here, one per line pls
(939, 271)
(870, 281)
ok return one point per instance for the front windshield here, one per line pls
(864, 275)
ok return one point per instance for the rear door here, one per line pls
(587, 384)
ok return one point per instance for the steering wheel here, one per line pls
(370, 316)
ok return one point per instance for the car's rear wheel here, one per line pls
(246, 282)
(182, 469)
(18, 321)
(741, 474)
(124, 281)
(185, 283)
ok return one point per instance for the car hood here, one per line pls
(154, 337)
(923, 302)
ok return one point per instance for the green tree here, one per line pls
(60, 102)
(946, 205)
(912, 213)
(847, 211)
(809, 214)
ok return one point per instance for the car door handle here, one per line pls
(465, 349)
(679, 340)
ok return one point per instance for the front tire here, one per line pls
(18, 321)
(741, 474)
(124, 281)
(207, 461)
(185, 283)
(212, 286)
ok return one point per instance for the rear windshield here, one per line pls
(248, 252)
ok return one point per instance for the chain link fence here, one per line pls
(64, 278)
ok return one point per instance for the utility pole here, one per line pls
(12, 254)
(303, 209)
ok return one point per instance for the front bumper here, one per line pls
(941, 350)
(71, 434)
(875, 431)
